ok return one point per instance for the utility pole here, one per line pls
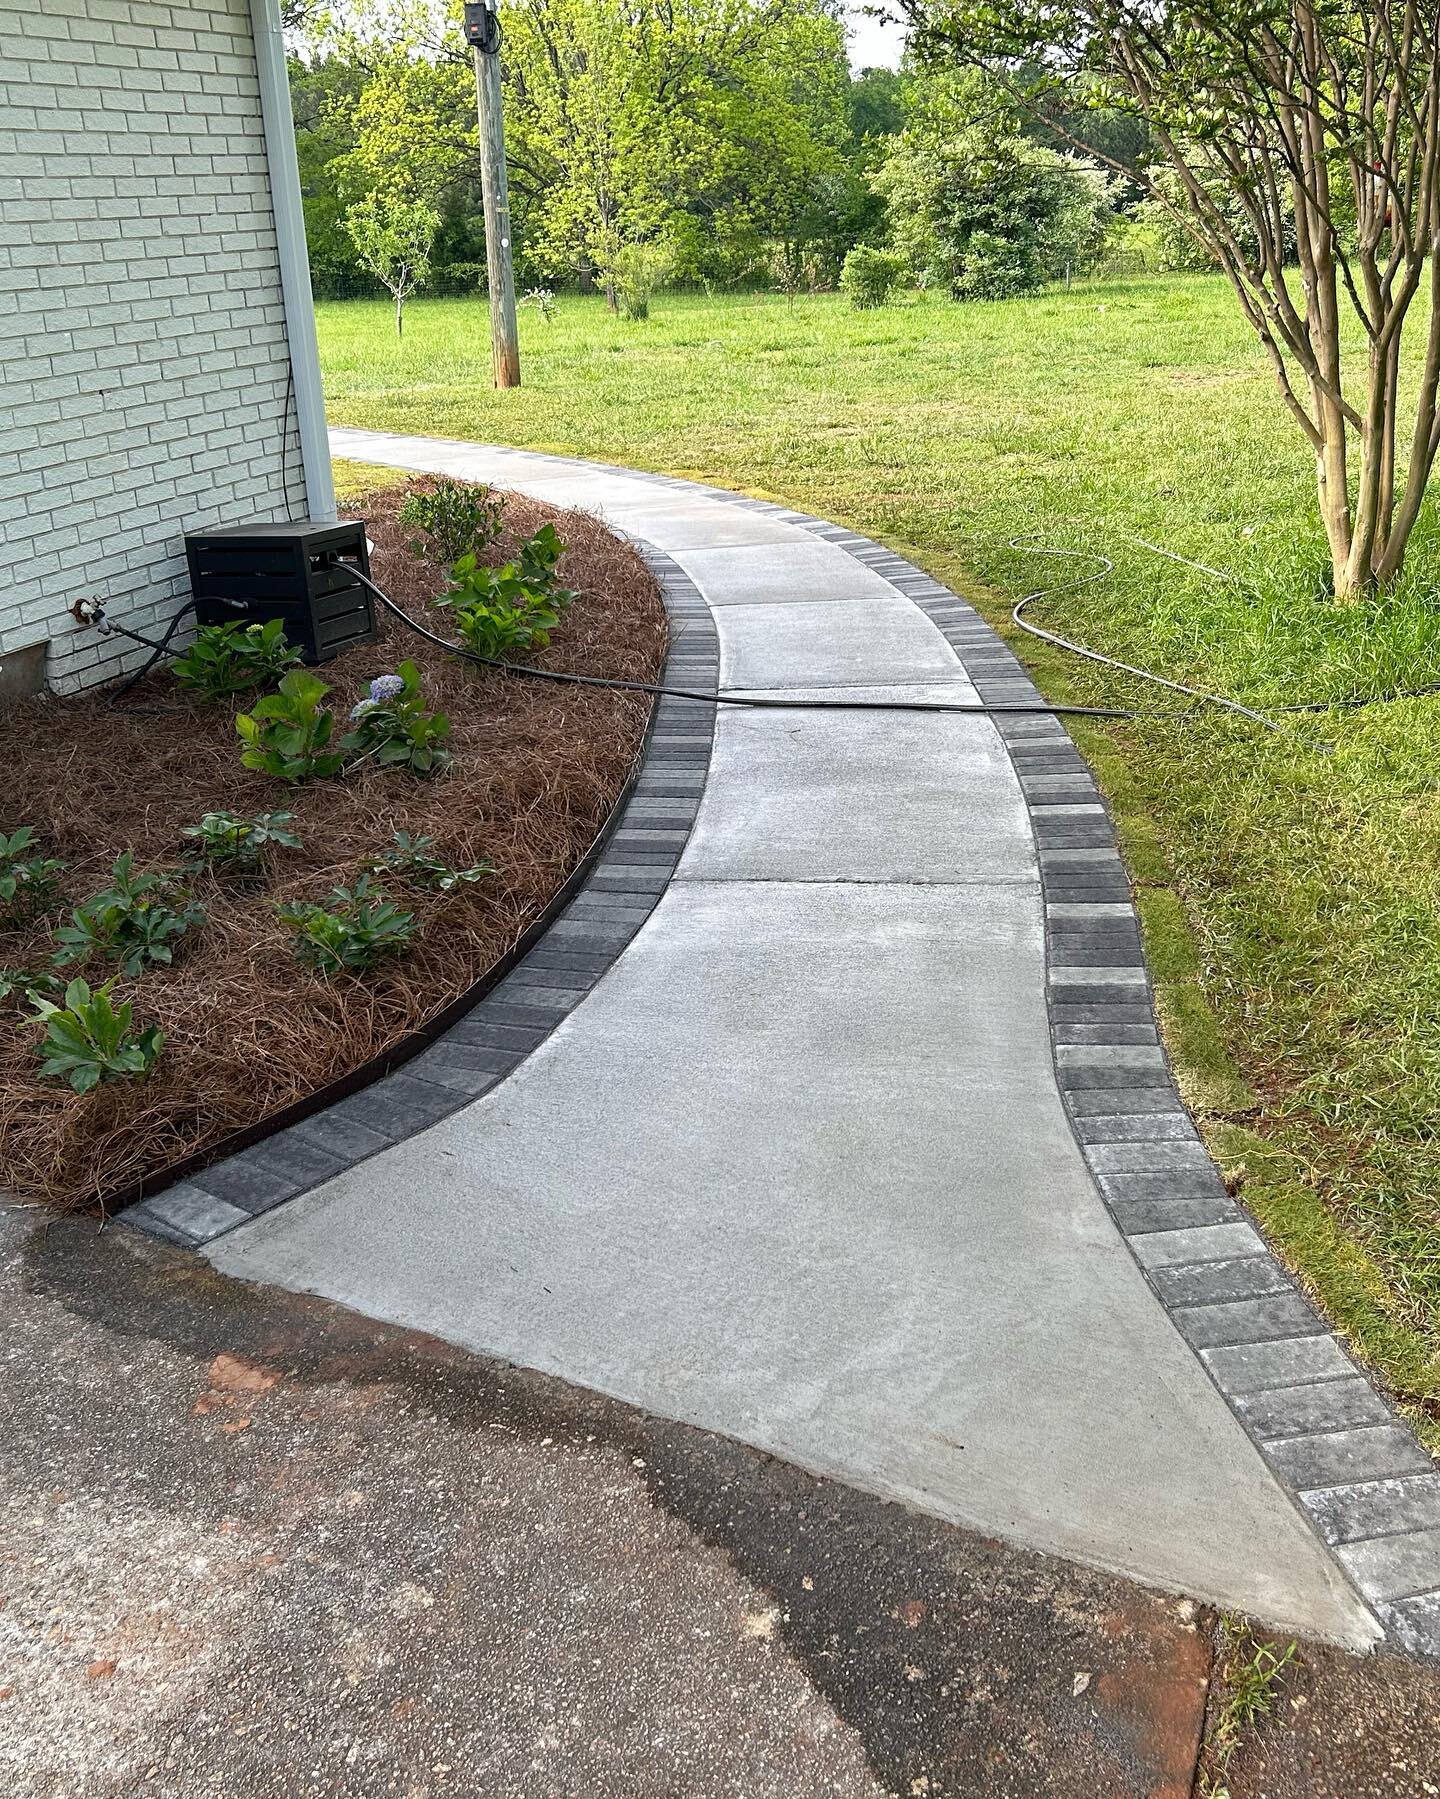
(482, 33)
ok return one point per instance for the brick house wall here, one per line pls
(144, 374)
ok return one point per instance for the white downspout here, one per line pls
(294, 259)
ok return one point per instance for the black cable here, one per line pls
(1079, 649)
(159, 649)
(762, 702)
(1030, 548)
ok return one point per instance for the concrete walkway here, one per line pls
(797, 1169)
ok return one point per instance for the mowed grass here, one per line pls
(1288, 880)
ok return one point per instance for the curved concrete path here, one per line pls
(797, 1168)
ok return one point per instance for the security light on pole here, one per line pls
(482, 33)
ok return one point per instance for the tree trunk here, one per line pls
(1333, 489)
(612, 298)
(400, 315)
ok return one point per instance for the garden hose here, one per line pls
(1026, 546)
(765, 702)
(1107, 566)
(772, 702)
(157, 650)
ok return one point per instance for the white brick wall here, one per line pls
(144, 379)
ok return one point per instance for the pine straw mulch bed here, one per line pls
(248, 1030)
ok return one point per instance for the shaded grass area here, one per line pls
(536, 770)
(1288, 890)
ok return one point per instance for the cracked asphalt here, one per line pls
(251, 1543)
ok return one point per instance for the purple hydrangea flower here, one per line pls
(386, 687)
(361, 708)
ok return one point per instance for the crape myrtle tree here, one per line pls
(1317, 125)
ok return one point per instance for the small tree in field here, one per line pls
(1300, 125)
(393, 238)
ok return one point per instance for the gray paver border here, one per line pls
(1351, 1464)
(619, 889)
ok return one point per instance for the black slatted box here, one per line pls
(297, 570)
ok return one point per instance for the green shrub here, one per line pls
(452, 519)
(132, 922)
(228, 659)
(513, 607)
(971, 197)
(356, 930)
(637, 270)
(225, 840)
(996, 268)
(288, 733)
(392, 725)
(89, 1040)
(27, 883)
(538, 558)
(870, 277)
(411, 859)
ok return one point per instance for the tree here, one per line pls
(713, 128)
(877, 104)
(1317, 117)
(636, 121)
(976, 204)
(393, 237)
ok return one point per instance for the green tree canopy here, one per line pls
(975, 204)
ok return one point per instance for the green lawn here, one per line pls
(1289, 894)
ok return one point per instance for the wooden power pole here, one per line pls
(482, 33)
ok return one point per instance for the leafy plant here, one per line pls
(226, 840)
(352, 933)
(89, 1040)
(132, 922)
(515, 606)
(288, 733)
(870, 277)
(636, 271)
(392, 725)
(411, 858)
(538, 559)
(497, 610)
(27, 882)
(227, 659)
(543, 301)
(21, 984)
(453, 519)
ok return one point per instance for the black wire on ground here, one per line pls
(1107, 566)
(771, 702)
(765, 702)
(1030, 548)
